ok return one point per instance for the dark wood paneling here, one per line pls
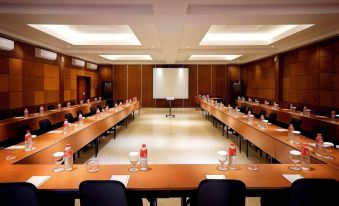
(134, 81)
(192, 85)
(204, 79)
(120, 82)
(147, 86)
(219, 81)
(105, 73)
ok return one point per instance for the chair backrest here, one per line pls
(314, 192)
(296, 124)
(69, 117)
(45, 125)
(250, 109)
(322, 129)
(18, 194)
(21, 131)
(50, 107)
(221, 193)
(3, 116)
(93, 110)
(103, 193)
(99, 107)
(79, 112)
(18, 113)
(273, 118)
(262, 112)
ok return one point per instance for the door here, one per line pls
(83, 88)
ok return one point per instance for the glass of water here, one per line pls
(295, 157)
(253, 164)
(222, 157)
(92, 165)
(134, 159)
(58, 158)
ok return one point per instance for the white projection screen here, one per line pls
(170, 82)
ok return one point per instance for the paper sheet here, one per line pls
(281, 130)
(55, 132)
(292, 177)
(216, 177)
(121, 178)
(16, 147)
(38, 180)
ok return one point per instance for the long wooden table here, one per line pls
(307, 122)
(270, 140)
(7, 126)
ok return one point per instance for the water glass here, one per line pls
(296, 136)
(134, 159)
(253, 164)
(92, 165)
(222, 157)
(295, 157)
(9, 153)
(58, 159)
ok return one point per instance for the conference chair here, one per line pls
(220, 193)
(21, 132)
(102, 193)
(93, 111)
(314, 192)
(296, 124)
(250, 109)
(45, 126)
(273, 118)
(50, 107)
(18, 113)
(262, 112)
(3, 116)
(18, 194)
(69, 117)
(79, 112)
(99, 107)
(322, 129)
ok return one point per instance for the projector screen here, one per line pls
(170, 82)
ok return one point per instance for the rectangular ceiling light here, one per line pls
(78, 62)
(6, 44)
(90, 34)
(124, 57)
(92, 66)
(249, 34)
(44, 54)
(217, 57)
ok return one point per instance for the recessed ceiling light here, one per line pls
(249, 34)
(217, 57)
(187, 47)
(272, 46)
(152, 47)
(91, 34)
(122, 57)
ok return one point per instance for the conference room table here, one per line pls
(273, 140)
(8, 126)
(284, 115)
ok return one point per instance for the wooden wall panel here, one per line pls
(120, 82)
(105, 73)
(147, 86)
(219, 81)
(204, 79)
(192, 85)
(134, 81)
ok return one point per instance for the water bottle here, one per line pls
(291, 107)
(232, 157)
(65, 126)
(99, 99)
(68, 105)
(41, 109)
(68, 157)
(81, 102)
(319, 144)
(81, 120)
(333, 116)
(59, 106)
(28, 141)
(262, 123)
(88, 101)
(290, 133)
(236, 111)
(143, 158)
(26, 113)
(305, 158)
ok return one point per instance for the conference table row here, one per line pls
(8, 126)
(273, 140)
(308, 122)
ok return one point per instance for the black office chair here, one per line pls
(273, 118)
(220, 193)
(262, 112)
(79, 112)
(314, 192)
(3, 116)
(250, 109)
(38, 109)
(45, 126)
(21, 132)
(99, 107)
(50, 107)
(102, 193)
(296, 124)
(109, 103)
(18, 113)
(93, 111)
(322, 129)
(18, 194)
(321, 112)
(69, 117)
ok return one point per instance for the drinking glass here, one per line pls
(222, 157)
(328, 148)
(58, 159)
(134, 159)
(253, 164)
(295, 157)
(9, 153)
(92, 165)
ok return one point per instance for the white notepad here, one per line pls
(38, 180)
(16, 147)
(292, 177)
(281, 130)
(55, 132)
(215, 177)
(121, 178)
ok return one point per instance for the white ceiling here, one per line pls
(171, 30)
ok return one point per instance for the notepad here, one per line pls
(292, 177)
(38, 180)
(55, 132)
(121, 178)
(281, 130)
(16, 147)
(319, 116)
(215, 177)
